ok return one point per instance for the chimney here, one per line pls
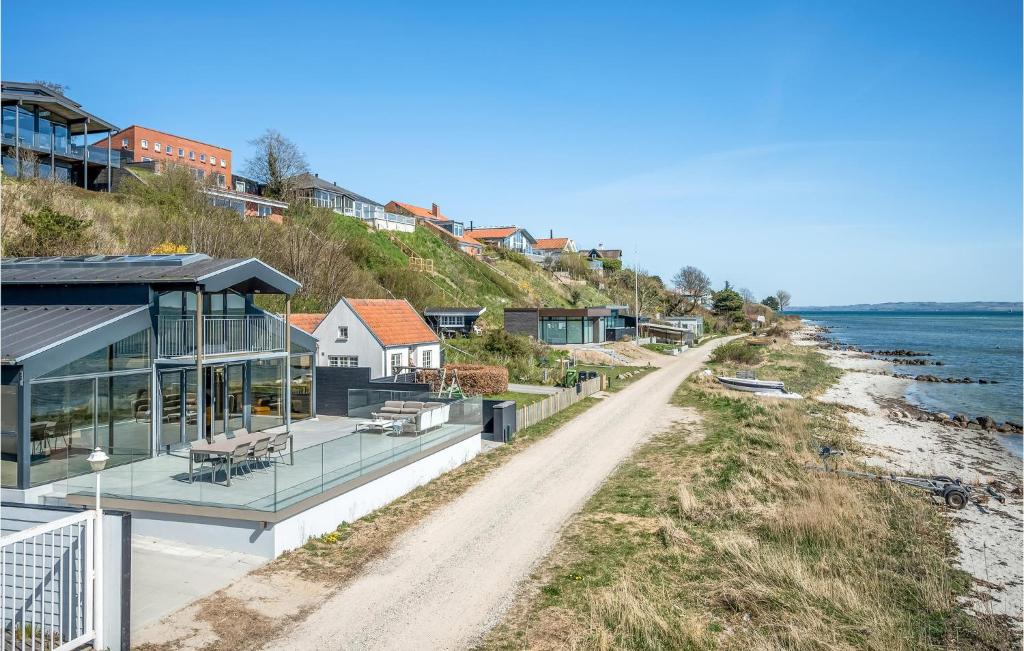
(434, 210)
(470, 224)
(316, 174)
(551, 234)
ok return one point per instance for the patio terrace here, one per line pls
(328, 453)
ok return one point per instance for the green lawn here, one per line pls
(522, 399)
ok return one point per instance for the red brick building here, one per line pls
(141, 144)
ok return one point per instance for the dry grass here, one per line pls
(745, 548)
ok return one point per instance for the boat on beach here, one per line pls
(751, 384)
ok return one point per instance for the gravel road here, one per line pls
(450, 579)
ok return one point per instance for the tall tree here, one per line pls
(783, 297)
(747, 295)
(772, 302)
(728, 301)
(275, 162)
(693, 286)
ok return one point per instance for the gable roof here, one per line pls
(419, 211)
(307, 321)
(393, 322)
(498, 233)
(27, 330)
(307, 180)
(466, 239)
(552, 243)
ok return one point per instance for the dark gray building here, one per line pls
(449, 321)
(140, 355)
(558, 325)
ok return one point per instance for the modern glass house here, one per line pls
(47, 135)
(555, 325)
(140, 355)
(324, 194)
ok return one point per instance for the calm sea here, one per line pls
(970, 344)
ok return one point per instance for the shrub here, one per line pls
(738, 352)
(50, 233)
(474, 379)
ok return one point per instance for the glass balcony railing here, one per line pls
(250, 333)
(323, 454)
(42, 143)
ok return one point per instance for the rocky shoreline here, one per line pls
(902, 438)
(913, 358)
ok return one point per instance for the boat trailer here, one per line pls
(954, 492)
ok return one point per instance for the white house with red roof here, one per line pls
(434, 218)
(386, 335)
(554, 246)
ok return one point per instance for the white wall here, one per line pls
(361, 341)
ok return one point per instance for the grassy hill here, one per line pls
(330, 254)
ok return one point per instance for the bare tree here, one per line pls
(748, 296)
(275, 163)
(56, 87)
(783, 297)
(693, 285)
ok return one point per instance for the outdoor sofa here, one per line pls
(416, 416)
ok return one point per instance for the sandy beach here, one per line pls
(990, 539)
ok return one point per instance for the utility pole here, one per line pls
(636, 284)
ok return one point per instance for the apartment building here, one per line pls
(139, 144)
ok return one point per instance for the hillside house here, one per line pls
(557, 325)
(433, 218)
(688, 323)
(327, 194)
(386, 335)
(553, 247)
(512, 238)
(453, 321)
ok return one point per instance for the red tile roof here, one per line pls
(466, 239)
(551, 243)
(491, 233)
(394, 322)
(421, 212)
(306, 321)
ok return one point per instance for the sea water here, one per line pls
(978, 345)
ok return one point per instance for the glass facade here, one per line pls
(302, 386)
(567, 330)
(267, 393)
(9, 435)
(38, 133)
(101, 399)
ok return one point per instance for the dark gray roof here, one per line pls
(307, 180)
(468, 311)
(31, 93)
(29, 329)
(192, 268)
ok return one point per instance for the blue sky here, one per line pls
(848, 152)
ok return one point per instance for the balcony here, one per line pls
(41, 144)
(222, 335)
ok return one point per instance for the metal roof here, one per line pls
(307, 180)
(468, 311)
(31, 93)
(192, 268)
(26, 330)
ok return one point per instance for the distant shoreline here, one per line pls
(990, 307)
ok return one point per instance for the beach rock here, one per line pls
(986, 422)
(942, 416)
(983, 381)
(974, 426)
(960, 420)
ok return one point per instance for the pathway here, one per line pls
(450, 579)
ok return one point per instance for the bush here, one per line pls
(474, 379)
(738, 352)
(50, 233)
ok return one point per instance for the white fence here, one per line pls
(46, 583)
(538, 411)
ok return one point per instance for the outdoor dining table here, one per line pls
(224, 448)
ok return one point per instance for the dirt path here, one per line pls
(450, 579)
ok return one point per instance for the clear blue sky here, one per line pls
(846, 151)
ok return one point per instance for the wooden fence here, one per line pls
(538, 411)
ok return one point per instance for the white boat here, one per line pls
(752, 385)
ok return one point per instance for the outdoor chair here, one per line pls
(279, 444)
(260, 450)
(239, 456)
(39, 439)
(62, 430)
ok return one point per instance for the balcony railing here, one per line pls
(222, 335)
(62, 146)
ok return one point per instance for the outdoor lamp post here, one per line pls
(97, 461)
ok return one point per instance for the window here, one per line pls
(426, 359)
(342, 361)
(191, 155)
(265, 210)
(342, 333)
(169, 150)
(213, 160)
(124, 142)
(156, 146)
(396, 361)
(239, 186)
(144, 143)
(146, 158)
(202, 158)
(450, 321)
(223, 163)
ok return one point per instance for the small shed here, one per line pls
(453, 321)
